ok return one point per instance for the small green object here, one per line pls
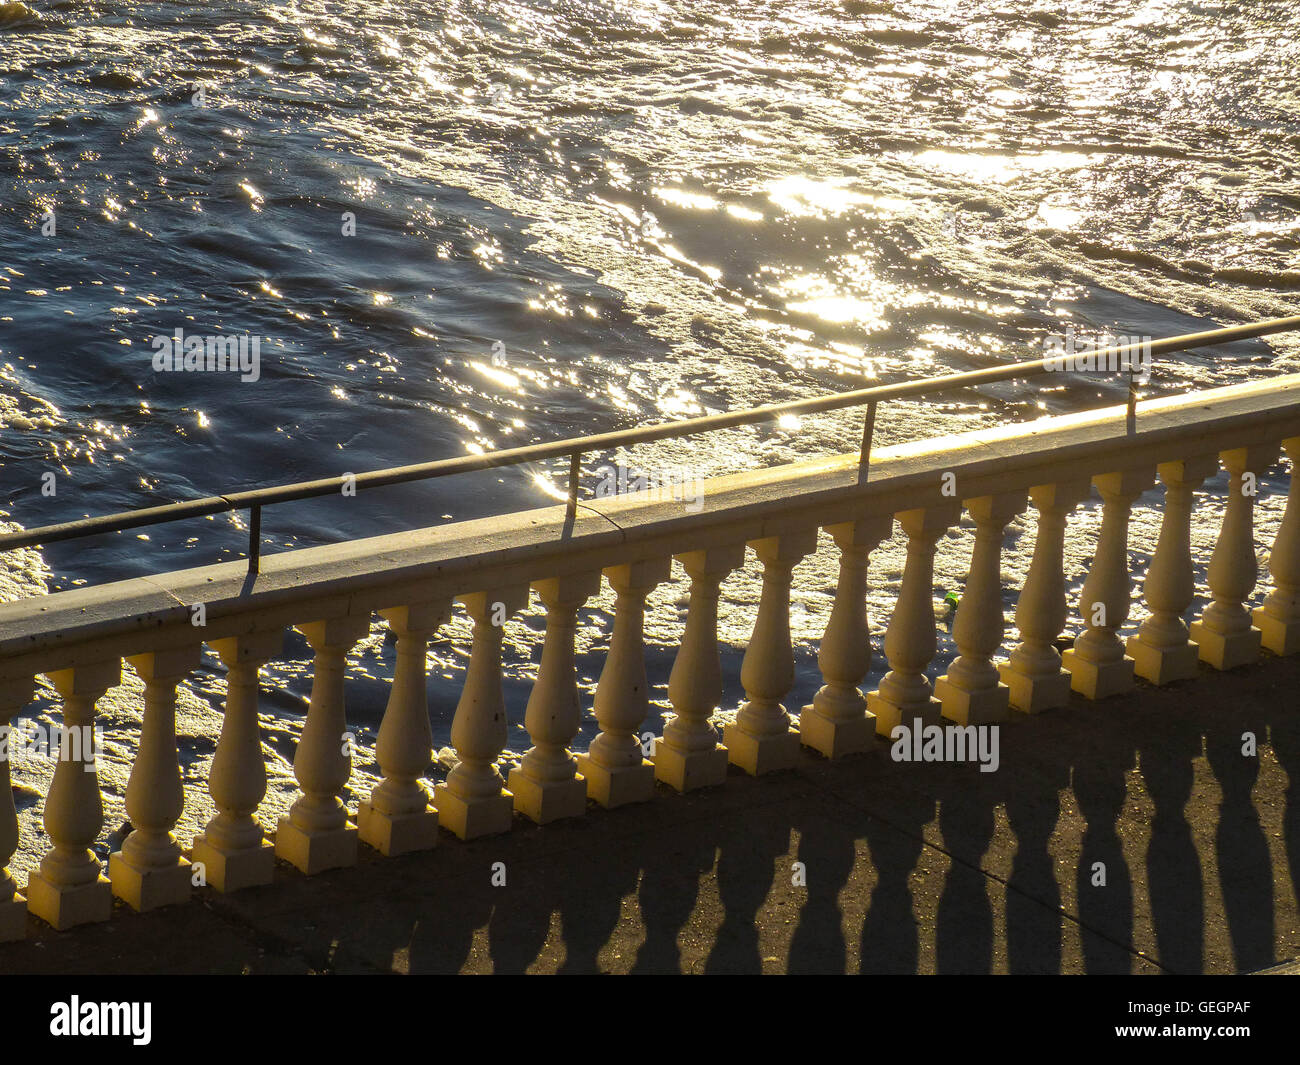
(950, 602)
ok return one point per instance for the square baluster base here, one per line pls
(1033, 695)
(314, 852)
(1094, 680)
(889, 716)
(1280, 637)
(13, 920)
(470, 819)
(550, 800)
(972, 708)
(235, 870)
(835, 739)
(1162, 665)
(149, 889)
(620, 786)
(67, 907)
(757, 755)
(688, 770)
(1226, 652)
(394, 834)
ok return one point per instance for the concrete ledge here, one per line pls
(358, 577)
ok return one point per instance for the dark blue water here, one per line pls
(650, 210)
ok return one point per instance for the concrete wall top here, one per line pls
(357, 577)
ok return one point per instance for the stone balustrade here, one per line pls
(79, 638)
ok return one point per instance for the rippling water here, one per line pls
(645, 210)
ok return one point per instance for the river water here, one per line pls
(456, 226)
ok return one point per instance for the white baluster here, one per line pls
(396, 819)
(1224, 635)
(1160, 649)
(15, 693)
(70, 888)
(616, 771)
(762, 738)
(149, 871)
(1033, 675)
(904, 694)
(970, 692)
(316, 835)
(836, 723)
(688, 755)
(232, 852)
(473, 802)
(1278, 620)
(547, 785)
(1097, 664)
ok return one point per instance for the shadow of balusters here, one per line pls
(585, 887)
(1033, 804)
(1284, 734)
(590, 901)
(448, 915)
(828, 851)
(521, 921)
(670, 889)
(890, 940)
(964, 922)
(1175, 881)
(745, 873)
(1103, 752)
(1245, 866)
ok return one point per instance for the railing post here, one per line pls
(15, 693)
(396, 819)
(232, 849)
(1160, 649)
(904, 693)
(762, 738)
(1224, 635)
(547, 785)
(254, 539)
(688, 755)
(1097, 664)
(616, 771)
(575, 471)
(70, 888)
(1131, 409)
(149, 871)
(836, 723)
(316, 835)
(868, 432)
(473, 802)
(1033, 674)
(1278, 620)
(970, 692)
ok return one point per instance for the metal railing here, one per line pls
(254, 500)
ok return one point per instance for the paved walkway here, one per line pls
(909, 868)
